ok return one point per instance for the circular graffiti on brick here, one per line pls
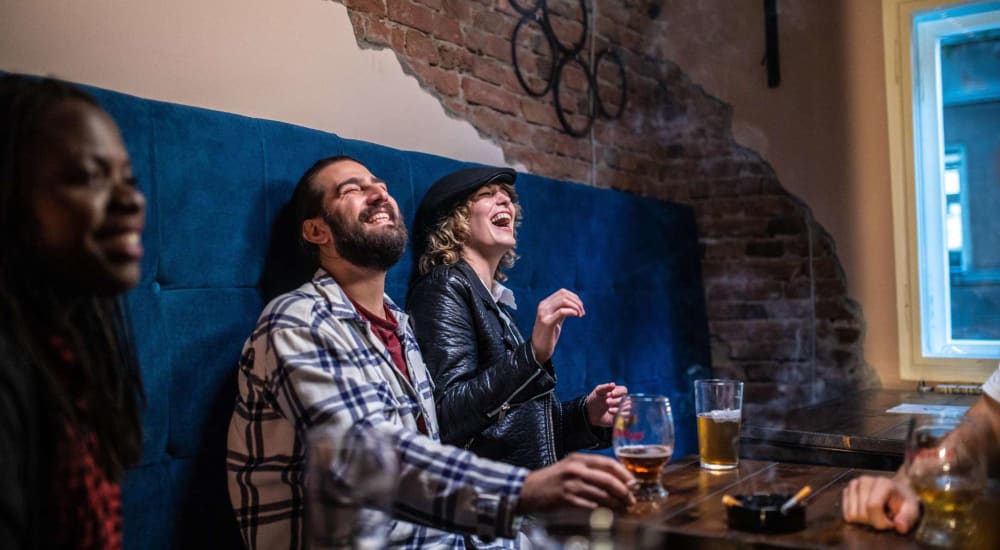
(546, 50)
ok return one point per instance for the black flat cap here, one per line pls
(447, 193)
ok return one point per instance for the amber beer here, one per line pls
(718, 437)
(718, 405)
(947, 502)
(946, 494)
(645, 461)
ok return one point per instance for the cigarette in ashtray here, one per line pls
(730, 501)
(803, 493)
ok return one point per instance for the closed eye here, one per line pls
(350, 187)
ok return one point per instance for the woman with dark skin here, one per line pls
(494, 389)
(71, 219)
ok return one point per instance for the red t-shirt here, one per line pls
(385, 331)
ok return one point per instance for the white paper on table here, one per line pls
(913, 408)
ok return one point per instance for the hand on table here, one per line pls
(577, 481)
(881, 502)
(552, 311)
(602, 404)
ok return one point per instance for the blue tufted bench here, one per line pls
(216, 183)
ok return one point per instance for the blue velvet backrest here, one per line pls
(215, 183)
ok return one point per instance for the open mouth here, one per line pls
(379, 216)
(123, 245)
(502, 220)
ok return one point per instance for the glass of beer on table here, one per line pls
(643, 437)
(719, 408)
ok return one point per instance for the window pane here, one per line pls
(970, 83)
(957, 145)
(954, 227)
(952, 183)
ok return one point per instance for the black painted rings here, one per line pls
(563, 58)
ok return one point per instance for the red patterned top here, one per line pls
(88, 503)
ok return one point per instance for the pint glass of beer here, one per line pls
(643, 437)
(719, 406)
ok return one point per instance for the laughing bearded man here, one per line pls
(338, 354)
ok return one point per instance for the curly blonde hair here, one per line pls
(445, 240)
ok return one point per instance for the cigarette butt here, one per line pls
(803, 493)
(730, 501)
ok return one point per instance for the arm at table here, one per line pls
(885, 503)
(881, 502)
(982, 434)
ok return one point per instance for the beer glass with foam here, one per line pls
(643, 437)
(719, 407)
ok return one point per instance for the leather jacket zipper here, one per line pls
(552, 434)
(505, 406)
(548, 421)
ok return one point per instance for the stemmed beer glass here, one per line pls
(643, 437)
(946, 476)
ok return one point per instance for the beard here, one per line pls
(377, 248)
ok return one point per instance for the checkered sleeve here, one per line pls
(318, 380)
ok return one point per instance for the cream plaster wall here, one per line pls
(868, 255)
(823, 129)
(291, 60)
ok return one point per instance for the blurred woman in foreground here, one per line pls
(71, 219)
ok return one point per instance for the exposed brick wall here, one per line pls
(779, 313)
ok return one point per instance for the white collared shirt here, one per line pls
(992, 385)
(502, 294)
(505, 296)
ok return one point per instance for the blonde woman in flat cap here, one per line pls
(494, 389)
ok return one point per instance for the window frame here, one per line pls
(914, 364)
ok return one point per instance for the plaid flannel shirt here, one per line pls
(313, 360)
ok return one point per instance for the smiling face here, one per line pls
(492, 213)
(365, 225)
(88, 215)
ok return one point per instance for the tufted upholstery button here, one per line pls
(155, 287)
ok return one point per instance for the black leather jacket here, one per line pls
(492, 396)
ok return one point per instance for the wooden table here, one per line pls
(693, 516)
(850, 431)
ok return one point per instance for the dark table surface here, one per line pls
(853, 430)
(694, 516)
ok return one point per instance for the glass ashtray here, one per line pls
(762, 512)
